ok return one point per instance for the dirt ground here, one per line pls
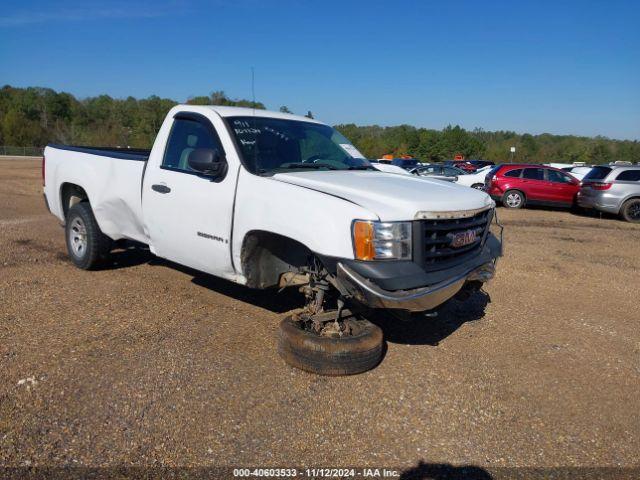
(149, 363)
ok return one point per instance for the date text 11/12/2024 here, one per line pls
(315, 472)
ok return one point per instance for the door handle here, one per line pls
(160, 188)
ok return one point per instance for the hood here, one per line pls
(390, 196)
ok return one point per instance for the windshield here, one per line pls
(272, 145)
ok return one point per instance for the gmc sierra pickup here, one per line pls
(268, 199)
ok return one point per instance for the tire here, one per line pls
(513, 199)
(87, 246)
(630, 211)
(330, 356)
(478, 186)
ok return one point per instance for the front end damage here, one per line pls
(415, 300)
(424, 288)
(420, 284)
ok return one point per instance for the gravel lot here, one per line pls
(149, 363)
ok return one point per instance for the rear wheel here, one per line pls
(631, 210)
(86, 244)
(513, 199)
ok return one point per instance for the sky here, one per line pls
(562, 67)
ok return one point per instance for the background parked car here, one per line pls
(476, 179)
(462, 165)
(562, 166)
(388, 168)
(407, 163)
(481, 163)
(439, 172)
(612, 189)
(577, 172)
(516, 185)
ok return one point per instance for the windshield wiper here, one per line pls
(362, 167)
(314, 166)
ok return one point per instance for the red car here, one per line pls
(462, 165)
(517, 185)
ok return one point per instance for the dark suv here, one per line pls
(518, 184)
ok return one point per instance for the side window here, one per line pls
(533, 174)
(557, 177)
(513, 173)
(185, 137)
(450, 171)
(629, 176)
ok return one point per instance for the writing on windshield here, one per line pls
(271, 145)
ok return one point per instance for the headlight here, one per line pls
(381, 240)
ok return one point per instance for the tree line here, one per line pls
(36, 116)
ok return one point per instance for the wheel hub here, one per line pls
(78, 237)
(513, 200)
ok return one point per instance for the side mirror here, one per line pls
(208, 161)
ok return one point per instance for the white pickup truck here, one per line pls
(268, 199)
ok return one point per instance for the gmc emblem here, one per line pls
(461, 239)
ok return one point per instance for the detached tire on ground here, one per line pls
(88, 247)
(348, 355)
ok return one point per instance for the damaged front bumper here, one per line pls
(419, 299)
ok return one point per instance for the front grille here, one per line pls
(436, 251)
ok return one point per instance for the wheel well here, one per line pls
(70, 194)
(267, 256)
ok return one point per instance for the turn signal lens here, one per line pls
(363, 240)
(382, 240)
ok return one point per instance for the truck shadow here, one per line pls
(444, 471)
(130, 254)
(432, 330)
(423, 331)
(270, 299)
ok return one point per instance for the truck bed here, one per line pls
(111, 178)
(123, 153)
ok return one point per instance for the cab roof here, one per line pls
(248, 112)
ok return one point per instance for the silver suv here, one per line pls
(613, 189)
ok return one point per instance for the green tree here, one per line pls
(35, 116)
(600, 153)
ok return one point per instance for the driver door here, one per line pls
(187, 213)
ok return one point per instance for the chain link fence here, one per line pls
(21, 151)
